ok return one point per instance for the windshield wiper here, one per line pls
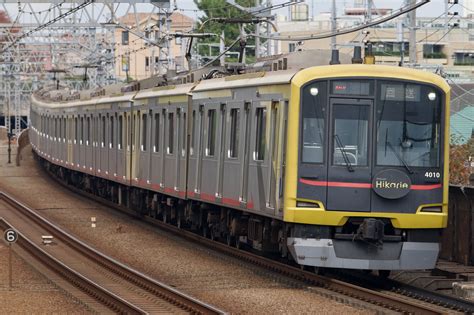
(399, 157)
(344, 153)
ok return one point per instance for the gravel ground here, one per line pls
(199, 272)
(31, 293)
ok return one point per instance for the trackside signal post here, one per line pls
(10, 236)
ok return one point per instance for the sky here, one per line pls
(432, 9)
(188, 7)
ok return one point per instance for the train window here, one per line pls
(350, 138)
(112, 139)
(128, 129)
(60, 128)
(211, 132)
(170, 133)
(102, 144)
(193, 133)
(314, 98)
(64, 131)
(144, 132)
(76, 130)
(82, 130)
(234, 133)
(183, 134)
(156, 146)
(88, 131)
(119, 133)
(261, 116)
(408, 125)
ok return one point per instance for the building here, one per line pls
(141, 57)
(437, 44)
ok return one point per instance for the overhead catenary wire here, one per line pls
(50, 22)
(343, 31)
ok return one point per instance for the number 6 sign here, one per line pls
(10, 236)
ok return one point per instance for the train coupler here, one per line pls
(371, 230)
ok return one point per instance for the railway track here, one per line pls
(112, 285)
(435, 298)
(391, 300)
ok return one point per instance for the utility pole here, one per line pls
(9, 134)
(222, 48)
(412, 27)
(369, 10)
(333, 24)
(257, 31)
(401, 39)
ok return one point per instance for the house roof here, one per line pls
(462, 124)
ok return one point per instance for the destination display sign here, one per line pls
(347, 87)
(400, 92)
(391, 184)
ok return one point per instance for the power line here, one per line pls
(42, 26)
(378, 21)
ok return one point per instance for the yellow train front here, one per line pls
(366, 178)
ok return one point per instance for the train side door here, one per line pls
(349, 176)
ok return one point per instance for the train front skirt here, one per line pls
(361, 255)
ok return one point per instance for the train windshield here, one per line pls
(408, 125)
(314, 108)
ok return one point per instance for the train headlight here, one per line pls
(432, 96)
(314, 91)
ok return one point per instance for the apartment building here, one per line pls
(140, 57)
(438, 43)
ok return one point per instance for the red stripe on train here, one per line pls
(360, 185)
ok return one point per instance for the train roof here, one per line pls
(372, 71)
(168, 90)
(248, 79)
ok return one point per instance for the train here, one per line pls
(329, 166)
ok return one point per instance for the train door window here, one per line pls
(156, 144)
(96, 131)
(128, 131)
(144, 132)
(234, 133)
(193, 133)
(211, 132)
(112, 133)
(76, 130)
(170, 133)
(120, 131)
(103, 140)
(261, 117)
(350, 138)
(64, 130)
(136, 132)
(60, 132)
(275, 128)
(183, 136)
(82, 131)
(88, 131)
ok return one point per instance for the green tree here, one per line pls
(221, 9)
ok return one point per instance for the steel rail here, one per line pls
(91, 288)
(153, 286)
(385, 300)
